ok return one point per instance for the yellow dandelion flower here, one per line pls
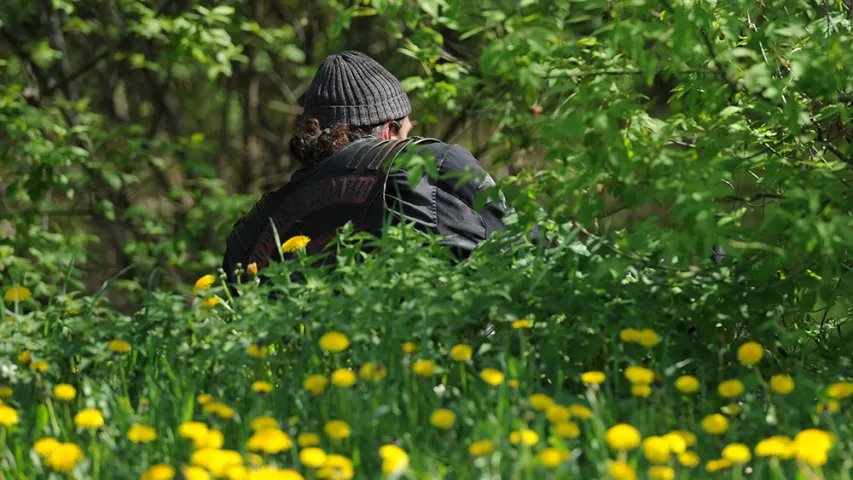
(730, 388)
(89, 419)
(676, 442)
(581, 412)
(481, 448)
(461, 353)
(262, 387)
(64, 391)
(831, 406)
(688, 459)
(639, 375)
(252, 269)
(219, 409)
(216, 461)
(257, 351)
(621, 471)
(141, 434)
(423, 367)
(524, 437)
(593, 378)
(641, 391)
(492, 377)
(211, 439)
(410, 347)
(192, 430)
(647, 338)
(717, 465)
(316, 384)
(264, 422)
(195, 473)
(812, 455)
(512, 383)
(737, 453)
(236, 472)
(567, 430)
(656, 450)
(44, 446)
(623, 437)
(661, 473)
(17, 294)
(269, 441)
(295, 243)
(337, 467)
(25, 357)
(688, 437)
(210, 302)
(312, 457)
(557, 413)
(373, 371)
(523, 323)
(629, 335)
(263, 473)
(750, 353)
(552, 457)
(395, 460)
(778, 446)
(8, 416)
(337, 429)
(815, 437)
(840, 390)
(161, 471)
(442, 418)
(64, 457)
(204, 282)
(540, 401)
(343, 378)
(334, 342)
(119, 346)
(39, 366)
(204, 399)
(715, 424)
(782, 384)
(308, 439)
(687, 384)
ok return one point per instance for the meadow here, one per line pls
(384, 367)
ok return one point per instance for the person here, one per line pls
(351, 136)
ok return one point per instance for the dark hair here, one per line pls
(312, 143)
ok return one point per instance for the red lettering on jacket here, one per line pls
(348, 190)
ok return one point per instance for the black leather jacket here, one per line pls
(357, 184)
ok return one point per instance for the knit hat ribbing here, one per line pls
(354, 89)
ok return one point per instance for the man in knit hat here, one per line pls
(351, 134)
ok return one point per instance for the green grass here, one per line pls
(393, 319)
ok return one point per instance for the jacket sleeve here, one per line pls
(446, 205)
(460, 181)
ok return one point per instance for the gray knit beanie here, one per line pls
(354, 89)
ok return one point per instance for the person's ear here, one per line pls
(389, 131)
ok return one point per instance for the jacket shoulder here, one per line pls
(453, 156)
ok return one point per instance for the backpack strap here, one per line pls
(390, 150)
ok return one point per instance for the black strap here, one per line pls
(360, 154)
